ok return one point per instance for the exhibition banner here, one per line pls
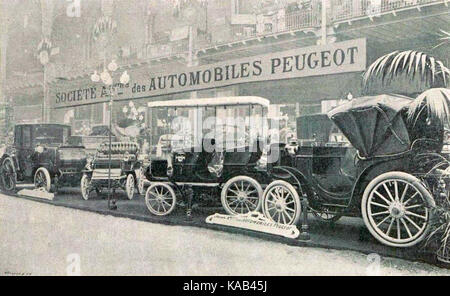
(339, 57)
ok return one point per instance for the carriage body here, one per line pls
(201, 172)
(113, 167)
(386, 174)
(41, 154)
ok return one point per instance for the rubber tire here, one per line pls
(130, 186)
(292, 190)
(14, 185)
(223, 195)
(419, 186)
(48, 185)
(83, 179)
(172, 193)
(141, 183)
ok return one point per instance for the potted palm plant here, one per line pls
(439, 238)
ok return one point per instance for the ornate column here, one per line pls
(4, 23)
(44, 52)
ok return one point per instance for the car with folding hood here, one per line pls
(390, 174)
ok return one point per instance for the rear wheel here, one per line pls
(241, 195)
(130, 186)
(396, 209)
(85, 187)
(42, 180)
(141, 183)
(8, 175)
(281, 203)
(160, 199)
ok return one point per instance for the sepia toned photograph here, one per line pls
(224, 138)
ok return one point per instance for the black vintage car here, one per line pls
(209, 169)
(39, 154)
(388, 176)
(116, 165)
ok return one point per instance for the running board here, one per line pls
(39, 193)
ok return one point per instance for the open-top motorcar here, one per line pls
(212, 167)
(40, 154)
(116, 165)
(389, 174)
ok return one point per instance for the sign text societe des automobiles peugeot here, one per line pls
(339, 57)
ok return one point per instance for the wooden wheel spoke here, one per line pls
(388, 191)
(379, 205)
(415, 215)
(380, 213)
(413, 223)
(411, 198)
(406, 227)
(382, 197)
(290, 217)
(290, 209)
(390, 226)
(404, 192)
(382, 221)
(396, 190)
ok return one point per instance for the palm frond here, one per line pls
(436, 101)
(411, 64)
(445, 39)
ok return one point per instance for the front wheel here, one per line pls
(241, 195)
(129, 186)
(42, 180)
(281, 203)
(396, 209)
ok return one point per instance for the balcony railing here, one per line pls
(277, 23)
(350, 9)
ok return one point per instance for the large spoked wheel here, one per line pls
(130, 186)
(396, 209)
(8, 174)
(160, 199)
(42, 179)
(241, 195)
(281, 203)
(85, 187)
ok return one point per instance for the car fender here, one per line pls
(371, 172)
(295, 175)
(14, 159)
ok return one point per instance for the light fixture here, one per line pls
(349, 96)
(112, 66)
(106, 77)
(125, 78)
(95, 77)
(124, 109)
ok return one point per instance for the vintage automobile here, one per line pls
(117, 165)
(388, 176)
(211, 168)
(40, 154)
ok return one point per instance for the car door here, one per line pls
(26, 152)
